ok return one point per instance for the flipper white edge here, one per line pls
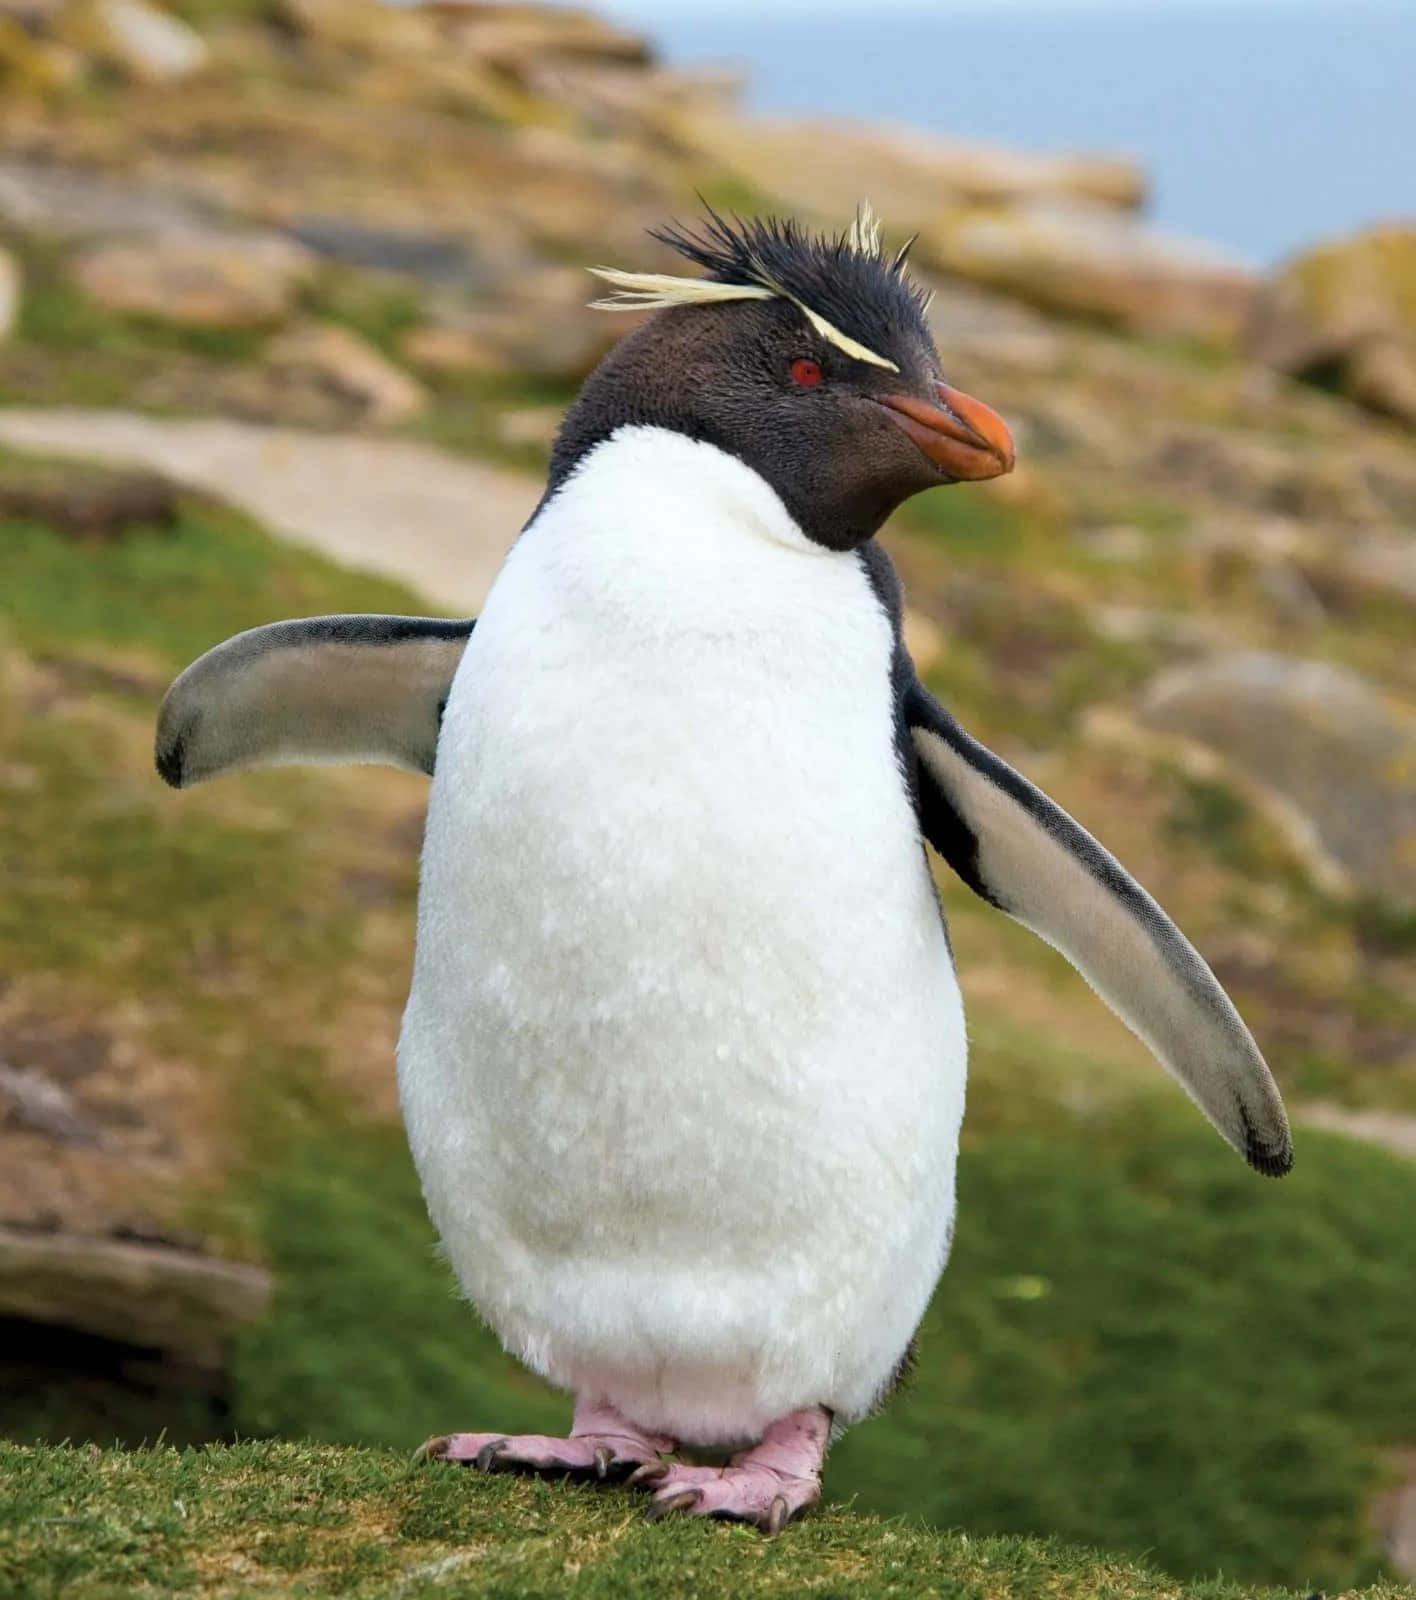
(1021, 852)
(325, 690)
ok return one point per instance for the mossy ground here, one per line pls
(277, 1519)
(1138, 1345)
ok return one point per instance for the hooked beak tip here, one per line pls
(966, 438)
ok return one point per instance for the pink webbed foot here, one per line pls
(769, 1486)
(601, 1446)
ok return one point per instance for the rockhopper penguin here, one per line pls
(683, 1062)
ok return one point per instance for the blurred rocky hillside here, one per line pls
(322, 261)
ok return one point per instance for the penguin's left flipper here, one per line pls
(325, 690)
(1024, 854)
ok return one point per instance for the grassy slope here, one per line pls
(291, 1519)
(1138, 1343)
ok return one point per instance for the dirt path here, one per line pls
(439, 522)
(1395, 1130)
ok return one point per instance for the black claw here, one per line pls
(487, 1456)
(665, 1505)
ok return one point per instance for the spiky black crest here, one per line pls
(845, 278)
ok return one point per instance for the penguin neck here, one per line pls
(670, 486)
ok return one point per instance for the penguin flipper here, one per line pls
(1022, 853)
(325, 690)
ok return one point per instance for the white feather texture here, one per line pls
(638, 291)
(683, 1063)
(864, 234)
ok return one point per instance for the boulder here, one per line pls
(34, 1101)
(1345, 315)
(43, 197)
(516, 38)
(1384, 563)
(471, 344)
(147, 43)
(544, 329)
(361, 26)
(555, 342)
(1318, 736)
(182, 1303)
(9, 292)
(34, 14)
(1241, 467)
(1381, 375)
(826, 168)
(529, 427)
(331, 356)
(86, 500)
(1096, 263)
(206, 280)
(31, 64)
(989, 329)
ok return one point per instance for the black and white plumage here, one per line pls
(683, 1063)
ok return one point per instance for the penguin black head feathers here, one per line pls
(806, 356)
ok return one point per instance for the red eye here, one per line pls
(806, 372)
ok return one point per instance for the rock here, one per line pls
(65, 202)
(1394, 1512)
(335, 358)
(1385, 563)
(150, 44)
(353, 496)
(1318, 736)
(1245, 468)
(924, 638)
(1097, 263)
(544, 330)
(516, 37)
(31, 64)
(31, 1100)
(826, 168)
(1345, 315)
(970, 322)
(180, 1302)
(1180, 632)
(1289, 595)
(9, 292)
(470, 345)
(631, 101)
(366, 26)
(84, 500)
(1382, 377)
(33, 14)
(434, 257)
(530, 426)
(203, 280)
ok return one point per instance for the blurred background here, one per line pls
(291, 299)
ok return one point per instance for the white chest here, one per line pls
(681, 983)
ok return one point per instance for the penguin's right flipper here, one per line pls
(1021, 852)
(325, 690)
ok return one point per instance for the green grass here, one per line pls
(290, 1519)
(970, 522)
(151, 890)
(170, 592)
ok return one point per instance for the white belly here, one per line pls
(683, 1062)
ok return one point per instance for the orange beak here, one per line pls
(961, 434)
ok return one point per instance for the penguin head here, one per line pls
(807, 357)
